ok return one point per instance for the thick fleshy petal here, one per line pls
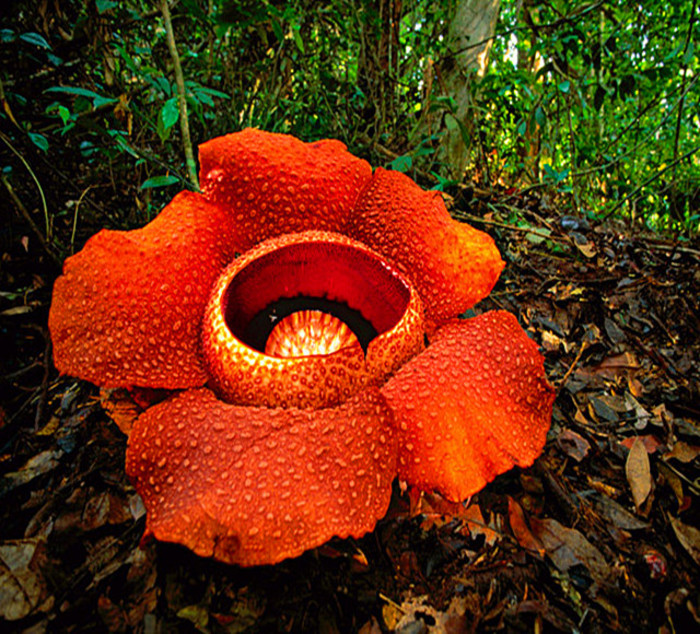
(452, 264)
(274, 183)
(255, 485)
(475, 403)
(128, 308)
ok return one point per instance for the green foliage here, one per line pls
(607, 94)
(597, 101)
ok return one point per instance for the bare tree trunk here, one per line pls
(182, 103)
(469, 39)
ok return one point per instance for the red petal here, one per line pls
(470, 407)
(276, 184)
(128, 307)
(254, 485)
(452, 264)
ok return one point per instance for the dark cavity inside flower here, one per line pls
(333, 278)
(300, 380)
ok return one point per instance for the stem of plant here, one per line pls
(182, 103)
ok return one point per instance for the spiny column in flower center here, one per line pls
(308, 332)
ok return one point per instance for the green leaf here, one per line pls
(279, 34)
(169, 113)
(64, 113)
(401, 163)
(105, 5)
(160, 181)
(213, 93)
(688, 57)
(298, 39)
(39, 140)
(97, 99)
(72, 90)
(122, 143)
(540, 116)
(203, 98)
(564, 86)
(549, 171)
(36, 39)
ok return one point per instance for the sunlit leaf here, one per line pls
(169, 113)
(36, 39)
(160, 181)
(638, 472)
(39, 140)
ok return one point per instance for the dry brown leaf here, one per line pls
(573, 445)
(638, 472)
(683, 452)
(120, 407)
(620, 364)
(567, 547)
(477, 525)
(689, 537)
(521, 531)
(22, 588)
(674, 483)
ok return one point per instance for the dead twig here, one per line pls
(572, 367)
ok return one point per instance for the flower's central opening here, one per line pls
(310, 287)
(308, 332)
(308, 320)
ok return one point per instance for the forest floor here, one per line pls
(600, 535)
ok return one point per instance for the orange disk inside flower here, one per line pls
(307, 320)
(309, 332)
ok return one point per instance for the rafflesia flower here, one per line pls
(304, 312)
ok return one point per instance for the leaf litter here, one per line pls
(601, 534)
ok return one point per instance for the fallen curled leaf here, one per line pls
(602, 410)
(683, 452)
(638, 472)
(573, 445)
(588, 249)
(417, 615)
(521, 531)
(610, 367)
(689, 537)
(22, 587)
(120, 408)
(17, 310)
(567, 547)
(37, 465)
(671, 479)
(613, 331)
(477, 525)
(435, 509)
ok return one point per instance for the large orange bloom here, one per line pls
(288, 308)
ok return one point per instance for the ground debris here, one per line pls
(600, 535)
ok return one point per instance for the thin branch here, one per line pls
(182, 103)
(28, 217)
(47, 238)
